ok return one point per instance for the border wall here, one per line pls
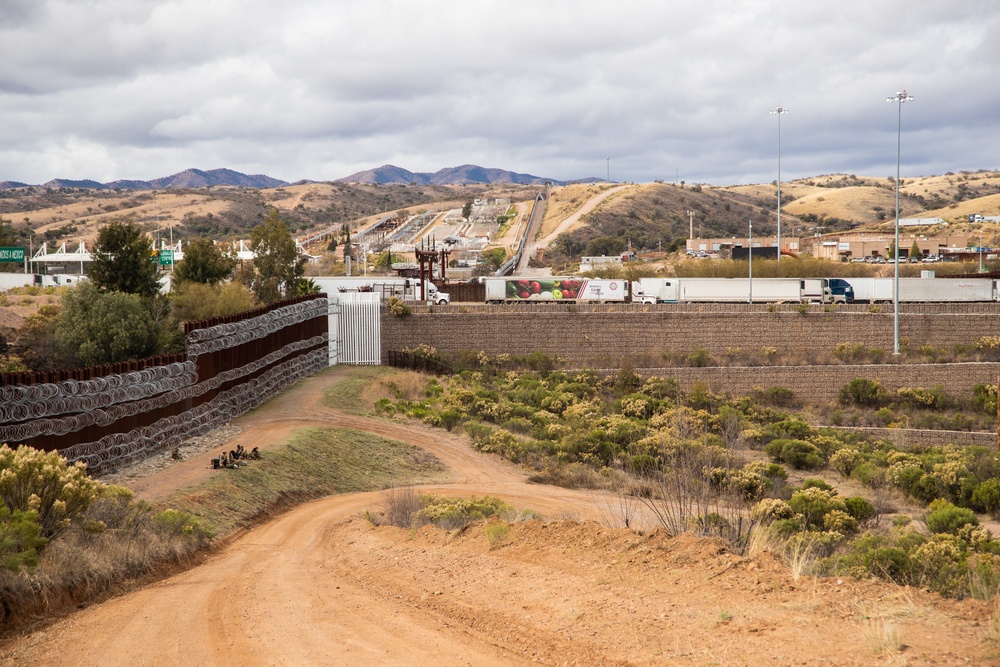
(601, 336)
(113, 415)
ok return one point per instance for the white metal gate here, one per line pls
(355, 328)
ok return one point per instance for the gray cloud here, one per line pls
(111, 89)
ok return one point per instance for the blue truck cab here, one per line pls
(841, 291)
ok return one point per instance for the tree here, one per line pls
(8, 237)
(915, 250)
(35, 341)
(386, 260)
(97, 327)
(467, 210)
(276, 265)
(204, 262)
(569, 245)
(123, 261)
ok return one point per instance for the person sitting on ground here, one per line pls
(241, 453)
(255, 453)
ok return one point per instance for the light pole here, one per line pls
(898, 99)
(778, 111)
(980, 248)
(609, 170)
(750, 258)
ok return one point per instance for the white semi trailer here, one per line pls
(924, 290)
(554, 290)
(730, 290)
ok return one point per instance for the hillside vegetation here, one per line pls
(659, 216)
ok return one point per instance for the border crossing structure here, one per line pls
(508, 267)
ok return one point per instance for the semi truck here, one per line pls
(760, 290)
(554, 290)
(924, 290)
(407, 289)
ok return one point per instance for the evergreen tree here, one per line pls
(204, 262)
(124, 261)
(276, 265)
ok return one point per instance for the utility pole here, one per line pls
(778, 111)
(750, 258)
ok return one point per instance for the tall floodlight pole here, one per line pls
(609, 170)
(778, 111)
(897, 99)
(750, 258)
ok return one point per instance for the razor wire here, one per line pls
(117, 450)
(23, 402)
(233, 334)
(105, 416)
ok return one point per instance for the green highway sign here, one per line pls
(11, 254)
(166, 257)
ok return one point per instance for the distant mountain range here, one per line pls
(464, 175)
(385, 175)
(189, 178)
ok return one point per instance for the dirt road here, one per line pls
(321, 586)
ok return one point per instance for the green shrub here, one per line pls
(814, 504)
(769, 510)
(924, 399)
(46, 484)
(839, 521)
(885, 416)
(699, 357)
(174, 524)
(863, 392)
(868, 473)
(984, 398)
(799, 454)
(844, 460)
(812, 483)
(859, 508)
(944, 517)
(788, 428)
(986, 497)
(398, 307)
(20, 539)
(451, 513)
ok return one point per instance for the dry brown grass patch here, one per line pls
(401, 386)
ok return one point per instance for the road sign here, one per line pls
(11, 254)
(166, 257)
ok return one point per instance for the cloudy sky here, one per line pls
(112, 89)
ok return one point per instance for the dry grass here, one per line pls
(882, 635)
(566, 200)
(398, 386)
(80, 564)
(400, 504)
(366, 385)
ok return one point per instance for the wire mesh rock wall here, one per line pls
(114, 415)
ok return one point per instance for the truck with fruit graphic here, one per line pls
(555, 290)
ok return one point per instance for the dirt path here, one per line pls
(570, 221)
(321, 586)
